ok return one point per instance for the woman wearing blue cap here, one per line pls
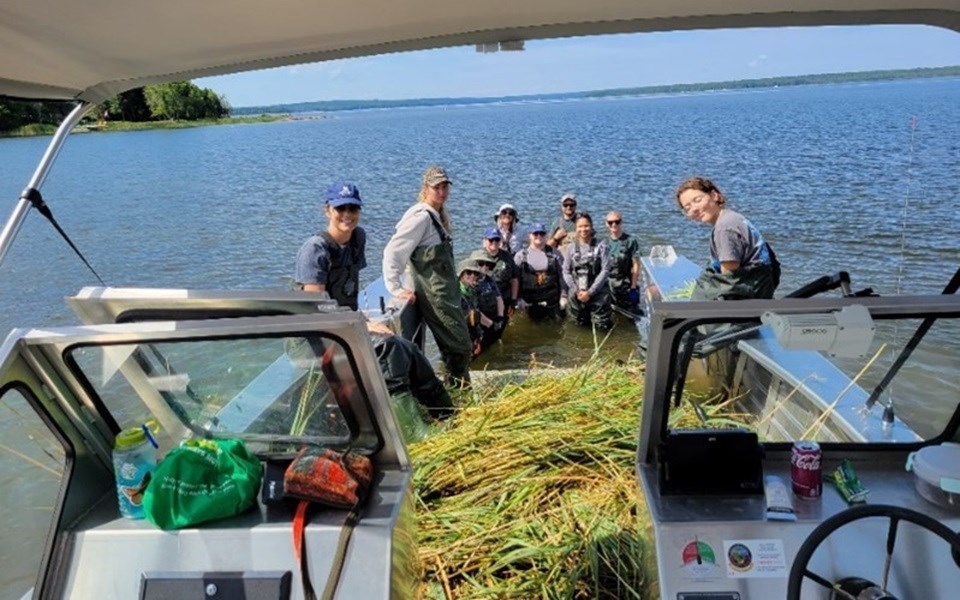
(330, 261)
(504, 271)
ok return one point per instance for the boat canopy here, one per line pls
(92, 50)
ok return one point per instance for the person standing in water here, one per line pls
(742, 264)
(586, 268)
(423, 240)
(330, 262)
(562, 230)
(624, 265)
(542, 289)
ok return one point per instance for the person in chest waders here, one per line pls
(586, 269)
(330, 262)
(624, 265)
(742, 264)
(423, 240)
(542, 289)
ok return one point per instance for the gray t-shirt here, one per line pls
(736, 238)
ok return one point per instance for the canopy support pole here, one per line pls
(19, 214)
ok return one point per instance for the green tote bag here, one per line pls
(202, 480)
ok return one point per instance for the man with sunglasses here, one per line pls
(330, 261)
(563, 227)
(624, 265)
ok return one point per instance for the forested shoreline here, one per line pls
(174, 102)
(184, 104)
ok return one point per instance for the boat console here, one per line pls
(283, 373)
(718, 431)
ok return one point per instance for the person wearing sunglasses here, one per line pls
(624, 265)
(506, 219)
(422, 239)
(742, 264)
(561, 232)
(504, 271)
(542, 290)
(330, 261)
(586, 268)
(470, 275)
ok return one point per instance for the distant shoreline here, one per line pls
(113, 126)
(770, 82)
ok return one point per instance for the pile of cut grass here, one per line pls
(531, 492)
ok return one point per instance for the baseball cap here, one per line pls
(568, 196)
(342, 193)
(537, 228)
(481, 256)
(492, 233)
(435, 175)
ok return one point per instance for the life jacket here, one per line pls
(343, 280)
(540, 286)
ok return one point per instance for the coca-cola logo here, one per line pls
(807, 462)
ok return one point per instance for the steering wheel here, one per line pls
(895, 514)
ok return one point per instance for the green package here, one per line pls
(848, 484)
(202, 480)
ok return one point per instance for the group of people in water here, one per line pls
(566, 268)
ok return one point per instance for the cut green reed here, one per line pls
(530, 491)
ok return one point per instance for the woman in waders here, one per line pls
(586, 269)
(423, 239)
(330, 262)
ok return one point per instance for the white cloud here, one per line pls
(753, 64)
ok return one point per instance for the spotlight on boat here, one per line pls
(847, 332)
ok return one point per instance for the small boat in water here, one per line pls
(828, 369)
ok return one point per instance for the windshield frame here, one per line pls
(669, 320)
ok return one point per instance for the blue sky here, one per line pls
(600, 62)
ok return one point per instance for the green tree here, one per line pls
(182, 100)
(130, 105)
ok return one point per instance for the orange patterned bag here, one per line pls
(328, 477)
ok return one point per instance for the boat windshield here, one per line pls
(274, 392)
(883, 386)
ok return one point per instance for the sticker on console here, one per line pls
(755, 558)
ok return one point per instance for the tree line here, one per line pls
(177, 100)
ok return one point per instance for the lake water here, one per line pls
(824, 171)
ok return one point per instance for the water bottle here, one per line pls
(134, 458)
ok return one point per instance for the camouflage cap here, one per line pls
(435, 175)
(481, 256)
(467, 264)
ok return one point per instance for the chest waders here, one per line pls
(343, 280)
(438, 298)
(586, 269)
(540, 286)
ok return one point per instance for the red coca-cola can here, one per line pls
(806, 475)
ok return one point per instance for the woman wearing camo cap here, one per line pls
(423, 240)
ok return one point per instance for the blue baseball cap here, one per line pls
(537, 228)
(492, 233)
(342, 193)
